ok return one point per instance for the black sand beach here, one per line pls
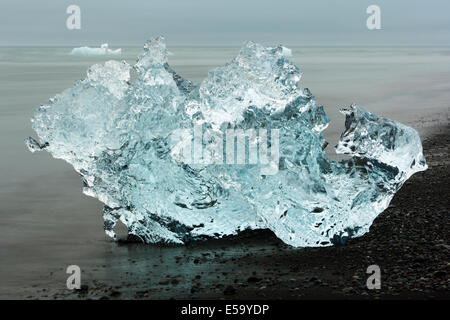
(410, 241)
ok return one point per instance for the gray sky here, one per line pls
(226, 22)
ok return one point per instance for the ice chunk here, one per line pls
(177, 161)
(287, 52)
(102, 51)
(390, 142)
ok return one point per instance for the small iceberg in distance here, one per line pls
(102, 51)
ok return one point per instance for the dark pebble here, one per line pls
(195, 289)
(230, 290)
(253, 279)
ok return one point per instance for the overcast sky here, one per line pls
(226, 22)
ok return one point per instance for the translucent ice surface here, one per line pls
(177, 161)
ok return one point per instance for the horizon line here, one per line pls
(222, 45)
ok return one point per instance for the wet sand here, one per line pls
(410, 241)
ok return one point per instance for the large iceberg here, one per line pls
(177, 161)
